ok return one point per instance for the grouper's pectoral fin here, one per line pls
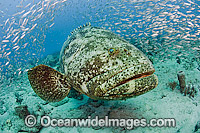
(48, 84)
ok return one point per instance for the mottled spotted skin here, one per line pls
(48, 83)
(94, 71)
(99, 64)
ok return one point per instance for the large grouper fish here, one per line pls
(97, 63)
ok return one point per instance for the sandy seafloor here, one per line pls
(161, 102)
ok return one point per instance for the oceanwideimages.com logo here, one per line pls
(46, 121)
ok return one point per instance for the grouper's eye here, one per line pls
(112, 51)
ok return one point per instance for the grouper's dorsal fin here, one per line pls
(48, 84)
(80, 27)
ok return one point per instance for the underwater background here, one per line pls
(32, 32)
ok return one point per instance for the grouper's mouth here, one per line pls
(136, 77)
(125, 84)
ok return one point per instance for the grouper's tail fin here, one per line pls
(48, 84)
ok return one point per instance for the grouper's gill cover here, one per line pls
(102, 65)
(97, 63)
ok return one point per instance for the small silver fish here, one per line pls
(25, 14)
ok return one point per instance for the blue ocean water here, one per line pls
(32, 32)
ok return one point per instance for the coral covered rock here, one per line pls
(22, 111)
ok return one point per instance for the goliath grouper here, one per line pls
(97, 63)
